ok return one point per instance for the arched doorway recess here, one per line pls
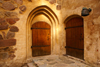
(48, 13)
(75, 36)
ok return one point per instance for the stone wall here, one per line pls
(91, 26)
(13, 28)
(8, 29)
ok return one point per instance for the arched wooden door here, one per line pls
(75, 37)
(41, 39)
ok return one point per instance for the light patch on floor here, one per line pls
(56, 61)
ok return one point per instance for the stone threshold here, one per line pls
(77, 59)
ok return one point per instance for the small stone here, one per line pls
(3, 55)
(3, 27)
(14, 29)
(12, 20)
(20, 2)
(8, 6)
(22, 8)
(58, 7)
(10, 35)
(7, 43)
(20, 12)
(1, 38)
(10, 14)
(52, 1)
(2, 15)
(15, 48)
(12, 56)
(50, 59)
(59, 1)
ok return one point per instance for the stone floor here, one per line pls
(56, 61)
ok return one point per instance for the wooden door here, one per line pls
(41, 39)
(75, 38)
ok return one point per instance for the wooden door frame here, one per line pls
(71, 17)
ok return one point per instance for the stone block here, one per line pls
(14, 29)
(10, 14)
(12, 56)
(1, 1)
(3, 21)
(10, 35)
(20, 2)
(58, 7)
(8, 6)
(3, 55)
(7, 43)
(22, 8)
(3, 27)
(1, 38)
(12, 20)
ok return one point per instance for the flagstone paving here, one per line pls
(56, 61)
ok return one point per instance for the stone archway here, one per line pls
(75, 36)
(49, 14)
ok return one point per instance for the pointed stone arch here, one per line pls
(70, 17)
(47, 12)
